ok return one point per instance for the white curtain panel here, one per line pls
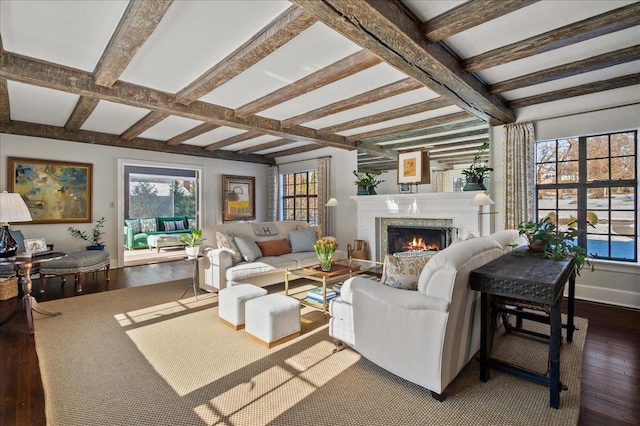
(272, 194)
(519, 160)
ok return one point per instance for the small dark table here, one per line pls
(28, 302)
(526, 277)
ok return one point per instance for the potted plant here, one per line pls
(192, 242)
(367, 182)
(477, 171)
(96, 235)
(546, 238)
(325, 249)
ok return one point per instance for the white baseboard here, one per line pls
(608, 295)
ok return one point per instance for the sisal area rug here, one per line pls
(141, 356)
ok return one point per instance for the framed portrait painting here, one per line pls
(238, 197)
(413, 167)
(54, 191)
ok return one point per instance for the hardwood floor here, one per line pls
(610, 370)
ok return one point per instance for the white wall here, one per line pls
(613, 282)
(106, 179)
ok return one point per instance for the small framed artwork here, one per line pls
(238, 197)
(406, 188)
(35, 245)
(54, 191)
(413, 167)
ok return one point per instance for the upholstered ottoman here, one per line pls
(76, 263)
(272, 319)
(158, 241)
(231, 303)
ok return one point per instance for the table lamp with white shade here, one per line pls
(12, 209)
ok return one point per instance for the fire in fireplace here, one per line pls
(410, 238)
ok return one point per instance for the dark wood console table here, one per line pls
(528, 278)
(28, 302)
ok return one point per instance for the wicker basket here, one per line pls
(8, 288)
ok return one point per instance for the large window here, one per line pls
(300, 196)
(160, 192)
(590, 182)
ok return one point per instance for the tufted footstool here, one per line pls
(232, 300)
(76, 263)
(272, 319)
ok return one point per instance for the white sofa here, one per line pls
(217, 268)
(425, 336)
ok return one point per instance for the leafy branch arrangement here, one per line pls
(478, 169)
(553, 243)
(367, 179)
(96, 234)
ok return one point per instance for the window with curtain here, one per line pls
(300, 196)
(590, 183)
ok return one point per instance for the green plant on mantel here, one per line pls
(479, 169)
(553, 243)
(367, 179)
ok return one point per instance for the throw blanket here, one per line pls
(265, 228)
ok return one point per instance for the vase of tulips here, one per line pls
(325, 249)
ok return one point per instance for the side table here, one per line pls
(194, 276)
(28, 302)
(526, 278)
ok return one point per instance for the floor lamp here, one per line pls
(331, 203)
(12, 209)
(481, 199)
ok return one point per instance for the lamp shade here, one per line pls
(13, 208)
(332, 202)
(481, 199)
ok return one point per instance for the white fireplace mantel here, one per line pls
(431, 205)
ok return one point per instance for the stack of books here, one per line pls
(315, 294)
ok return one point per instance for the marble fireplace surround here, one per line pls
(431, 209)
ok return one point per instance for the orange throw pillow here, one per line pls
(274, 248)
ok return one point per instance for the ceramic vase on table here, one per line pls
(192, 252)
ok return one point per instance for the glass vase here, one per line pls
(325, 262)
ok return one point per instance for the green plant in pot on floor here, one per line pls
(192, 242)
(96, 235)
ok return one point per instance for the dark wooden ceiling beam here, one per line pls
(378, 151)
(350, 65)
(5, 106)
(285, 27)
(233, 140)
(469, 15)
(265, 146)
(567, 70)
(416, 108)
(192, 133)
(585, 89)
(81, 112)
(430, 122)
(139, 20)
(449, 127)
(54, 76)
(384, 92)
(388, 31)
(96, 138)
(146, 122)
(437, 141)
(292, 151)
(609, 22)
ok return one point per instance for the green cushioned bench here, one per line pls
(76, 263)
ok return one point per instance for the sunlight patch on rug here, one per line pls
(164, 310)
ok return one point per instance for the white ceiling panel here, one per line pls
(564, 55)
(576, 80)
(383, 105)
(71, 33)
(524, 23)
(435, 135)
(170, 127)
(109, 117)
(251, 142)
(39, 105)
(362, 82)
(403, 120)
(213, 136)
(193, 36)
(312, 50)
(283, 148)
(426, 10)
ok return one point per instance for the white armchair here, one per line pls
(425, 336)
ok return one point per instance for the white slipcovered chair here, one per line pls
(425, 336)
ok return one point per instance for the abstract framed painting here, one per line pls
(238, 197)
(54, 191)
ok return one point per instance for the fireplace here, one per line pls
(411, 238)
